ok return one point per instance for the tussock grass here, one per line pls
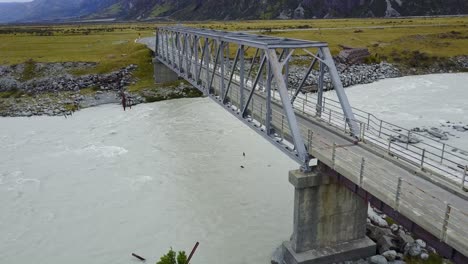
(405, 41)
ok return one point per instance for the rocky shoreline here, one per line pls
(51, 89)
(395, 245)
(349, 74)
(32, 89)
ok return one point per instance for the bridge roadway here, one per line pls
(425, 200)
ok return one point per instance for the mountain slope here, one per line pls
(224, 9)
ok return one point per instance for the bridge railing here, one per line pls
(447, 222)
(429, 155)
(443, 220)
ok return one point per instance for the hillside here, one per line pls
(43, 10)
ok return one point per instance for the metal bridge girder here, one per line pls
(203, 60)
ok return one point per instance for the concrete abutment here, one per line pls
(163, 74)
(329, 221)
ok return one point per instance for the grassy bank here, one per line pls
(411, 42)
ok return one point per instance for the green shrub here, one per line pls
(170, 258)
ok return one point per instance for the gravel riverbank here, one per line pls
(31, 88)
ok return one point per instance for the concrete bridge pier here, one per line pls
(329, 220)
(163, 74)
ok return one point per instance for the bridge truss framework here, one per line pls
(200, 55)
(253, 85)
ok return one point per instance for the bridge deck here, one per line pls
(429, 201)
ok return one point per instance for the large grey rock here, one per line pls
(375, 232)
(412, 249)
(404, 238)
(390, 255)
(375, 218)
(424, 256)
(278, 255)
(386, 243)
(421, 243)
(378, 259)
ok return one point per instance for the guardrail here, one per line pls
(428, 155)
(445, 221)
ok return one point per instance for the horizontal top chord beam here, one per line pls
(259, 41)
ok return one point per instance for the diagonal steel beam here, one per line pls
(204, 50)
(276, 68)
(303, 81)
(335, 78)
(251, 64)
(236, 59)
(259, 74)
(215, 65)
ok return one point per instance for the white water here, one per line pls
(417, 101)
(104, 183)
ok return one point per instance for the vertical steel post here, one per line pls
(422, 158)
(361, 172)
(241, 76)
(195, 49)
(207, 66)
(268, 116)
(397, 195)
(223, 64)
(363, 131)
(286, 69)
(443, 234)
(320, 89)
(464, 177)
(333, 155)
(442, 155)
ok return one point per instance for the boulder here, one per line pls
(424, 256)
(277, 256)
(421, 243)
(378, 259)
(386, 243)
(390, 255)
(404, 238)
(412, 249)
(376, 232)
(375, 218)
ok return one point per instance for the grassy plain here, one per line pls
(112, 45)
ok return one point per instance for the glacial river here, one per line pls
(104, 183)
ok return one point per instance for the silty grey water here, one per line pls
(104, 183)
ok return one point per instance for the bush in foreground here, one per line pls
(172, 258)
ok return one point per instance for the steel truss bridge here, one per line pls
(422, 186)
